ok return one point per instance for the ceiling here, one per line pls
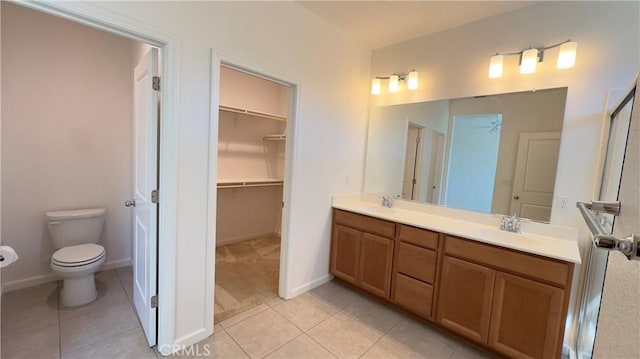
(382, 23)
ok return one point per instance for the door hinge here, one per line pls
(154, 302)
(156, 83)
(154, 196)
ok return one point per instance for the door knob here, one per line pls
(130, 203)
(514, 197)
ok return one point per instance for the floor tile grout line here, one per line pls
(320, 344)
(289, 341)
(382, 336)
(454, 350)
(252, 315)
(235, 341)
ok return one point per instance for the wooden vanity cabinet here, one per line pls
(415, 268)
(362, 251)
(510, 302)
(514, 303)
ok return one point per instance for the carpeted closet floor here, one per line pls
(246, 275)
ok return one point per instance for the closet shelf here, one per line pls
(252, 113)
(250, 183)
(275, 138)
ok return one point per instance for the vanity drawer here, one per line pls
(365, 223)
(417, 262)
(549, 270)
(413, 295)
(419, 237)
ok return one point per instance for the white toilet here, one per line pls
(75, 235)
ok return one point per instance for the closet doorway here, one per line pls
(252, 128)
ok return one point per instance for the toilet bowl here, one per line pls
(75, 235)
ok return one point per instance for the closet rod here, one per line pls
(249, 184)
(252, 113)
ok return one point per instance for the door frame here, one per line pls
(418, 160)
(93, 15)
(285, 289)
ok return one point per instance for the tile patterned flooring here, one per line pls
(331, 321)
(34, 325)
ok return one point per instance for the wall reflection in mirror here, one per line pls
(493, 154)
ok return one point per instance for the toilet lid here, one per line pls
(78, 255)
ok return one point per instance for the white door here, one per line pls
(145, 244)
(535, 175)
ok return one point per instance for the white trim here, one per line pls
(212, 192)
(91, 14)
(310, 285)
(285, 291)
(52, 277)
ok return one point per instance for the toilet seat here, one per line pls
(78, 256)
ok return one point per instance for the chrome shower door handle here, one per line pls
(130, 203)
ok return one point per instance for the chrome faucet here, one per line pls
(510, 223)
(387, 201)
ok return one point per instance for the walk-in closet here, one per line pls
(251, 160)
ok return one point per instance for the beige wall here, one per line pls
(66, 134)
(618, 331)
(540, 111)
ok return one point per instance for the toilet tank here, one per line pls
(73, 227)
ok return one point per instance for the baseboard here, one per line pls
(222, 242)
(29, 282)
(308, 286)
(51, 277)
(116, 264)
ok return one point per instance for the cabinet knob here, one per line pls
(516, 197)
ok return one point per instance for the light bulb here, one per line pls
(393, 83)
(412, 80)
(567, 56)
(375, 87)
(495, 67)
(528, 61)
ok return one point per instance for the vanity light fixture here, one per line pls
(411, 79)
(530, 57)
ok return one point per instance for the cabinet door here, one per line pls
(376, 256)
(345, 253)
(526, 318)
(464, 301)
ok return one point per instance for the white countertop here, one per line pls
(537, 238)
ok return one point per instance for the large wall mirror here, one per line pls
(492, 154)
